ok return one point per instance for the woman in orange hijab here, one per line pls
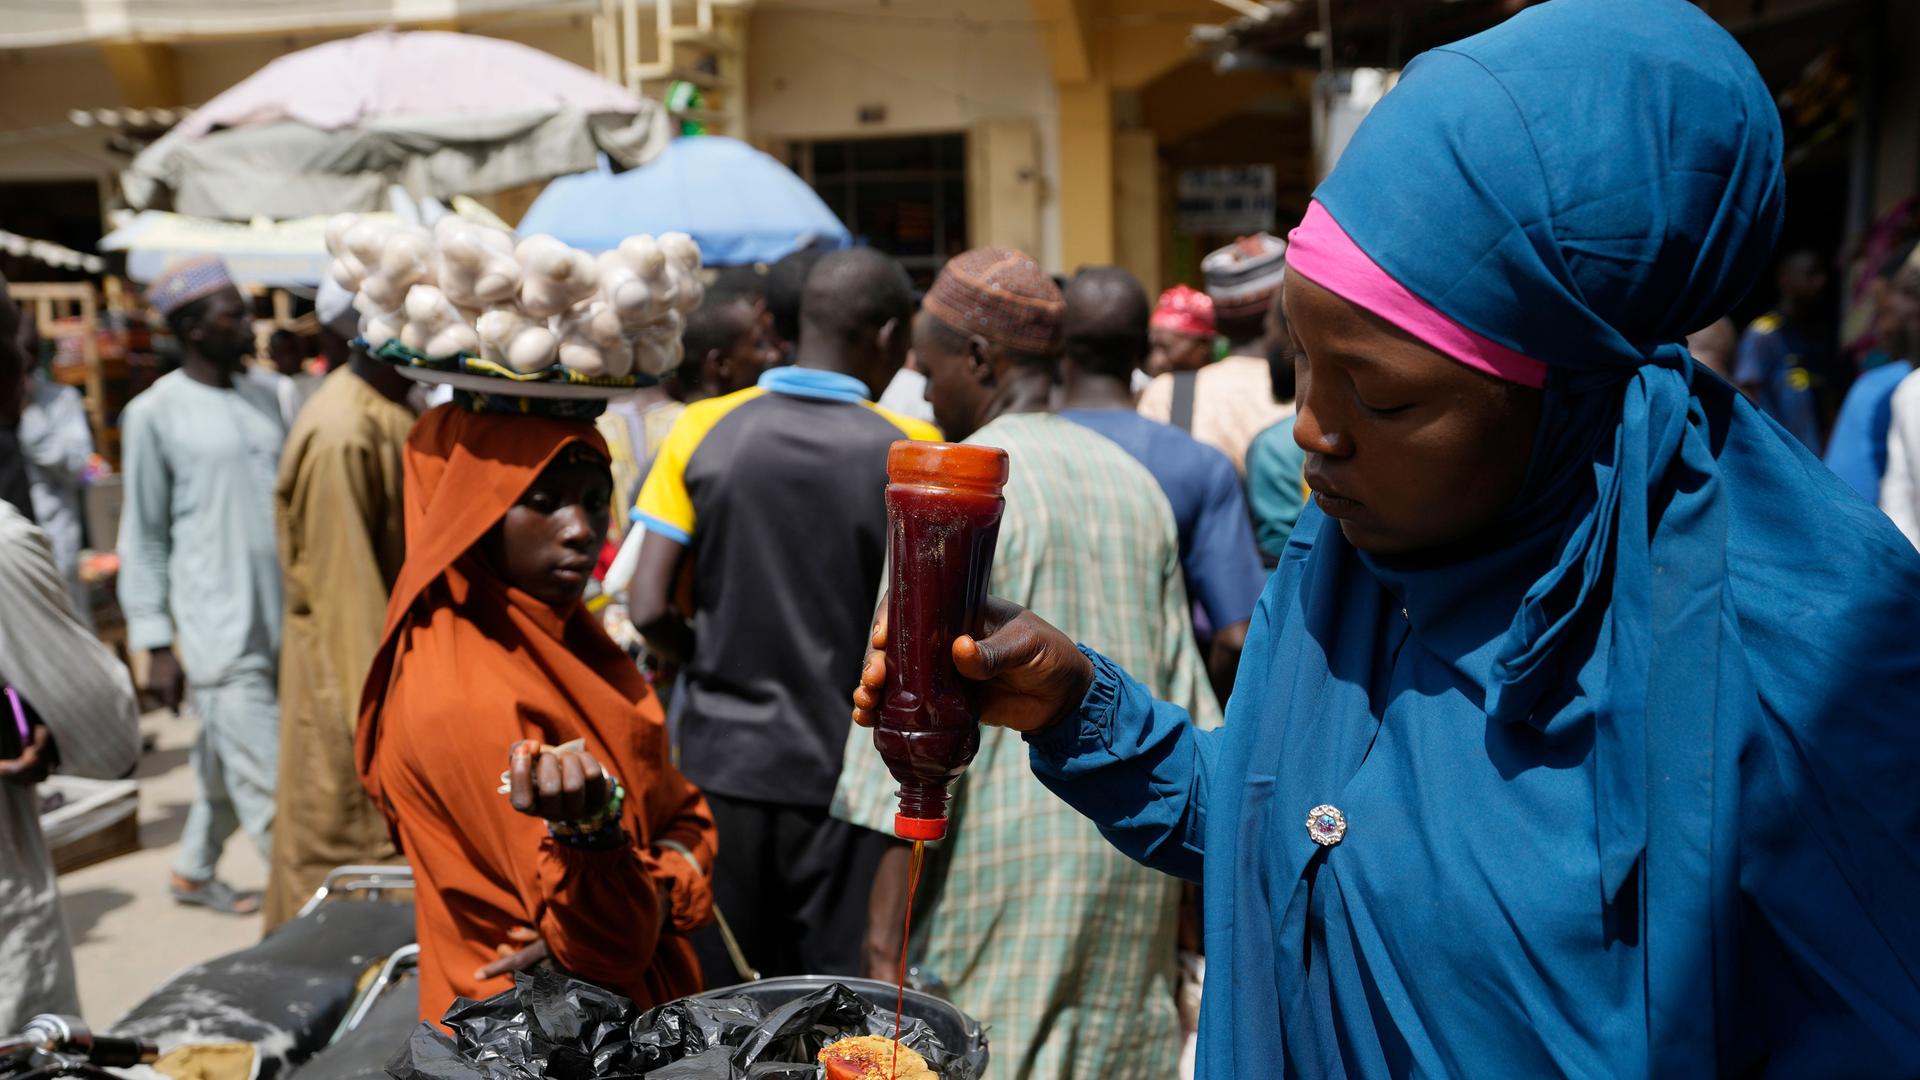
(490, 662)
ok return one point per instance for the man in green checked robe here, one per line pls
(1062, 946)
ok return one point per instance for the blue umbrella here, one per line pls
(740, 205)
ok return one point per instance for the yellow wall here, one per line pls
(1099, 52)
(983, 67)
(38, 87)
(933, 65)
(1086, 175)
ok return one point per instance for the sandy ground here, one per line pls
(129, 936)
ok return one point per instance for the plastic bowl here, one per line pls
(958, 1033)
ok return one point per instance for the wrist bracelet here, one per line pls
(601, 820)
(610, 837)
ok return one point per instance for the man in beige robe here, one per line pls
(1226, 403)
(338, 510)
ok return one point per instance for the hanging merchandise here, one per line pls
(682, 98)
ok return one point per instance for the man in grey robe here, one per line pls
(200, 570)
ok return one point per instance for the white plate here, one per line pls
(493, 384)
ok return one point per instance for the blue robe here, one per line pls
(1628, 790)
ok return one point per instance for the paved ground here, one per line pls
(129, 935)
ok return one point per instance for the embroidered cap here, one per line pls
(1243, 276)
(183, 282)
(1002, 295)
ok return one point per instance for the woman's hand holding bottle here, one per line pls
(1030, 675)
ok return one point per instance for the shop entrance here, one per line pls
(904, 195)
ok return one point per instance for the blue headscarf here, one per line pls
(1595, 180)
(1682, 598)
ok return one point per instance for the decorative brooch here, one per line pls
(1326, 824)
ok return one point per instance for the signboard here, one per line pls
(1233, 200)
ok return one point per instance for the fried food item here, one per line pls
(866, 1057)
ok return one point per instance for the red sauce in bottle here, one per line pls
(943, 517)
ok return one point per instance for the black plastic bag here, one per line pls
(578, 1029)
(692, 1026)
(797, 1030)
(554, 1027)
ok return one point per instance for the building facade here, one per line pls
(1137, 132)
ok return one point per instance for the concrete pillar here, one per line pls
(1136, 219)
(1086, 175)
(1003, 185)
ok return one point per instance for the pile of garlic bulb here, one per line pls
(467, 288)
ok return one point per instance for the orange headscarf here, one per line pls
(467, 666)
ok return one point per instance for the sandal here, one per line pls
(218, 896)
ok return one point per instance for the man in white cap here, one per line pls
(1226, 403)
(58, 443)
(199, 576)
(338, 506)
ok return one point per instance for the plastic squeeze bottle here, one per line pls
(943, 516)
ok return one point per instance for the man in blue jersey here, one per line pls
(1106, 339)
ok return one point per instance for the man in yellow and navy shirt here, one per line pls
(774, 495)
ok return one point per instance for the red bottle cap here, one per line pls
(961, 466)
(919, 828)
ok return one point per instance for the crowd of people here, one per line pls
(1433, 538)
(1841, 403)
(289, 574)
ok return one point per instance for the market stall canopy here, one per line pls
(118, 22)
(740, 205)
(274, 254)
(52, 254)
(327, 129)
(269, 253)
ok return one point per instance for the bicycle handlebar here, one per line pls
(69, 1035)
(115, 1052)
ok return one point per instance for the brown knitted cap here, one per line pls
(1003, 296)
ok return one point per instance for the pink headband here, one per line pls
(1322, 251)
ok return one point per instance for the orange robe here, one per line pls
(467, 667)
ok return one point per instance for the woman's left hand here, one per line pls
(557, 783)
(523, 949)
(35, 761)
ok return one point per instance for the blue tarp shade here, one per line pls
(740, 205)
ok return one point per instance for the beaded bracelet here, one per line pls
(598, 829)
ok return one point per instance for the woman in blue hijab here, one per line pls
(1577, 733)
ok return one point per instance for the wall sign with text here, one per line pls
(1236, 199)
